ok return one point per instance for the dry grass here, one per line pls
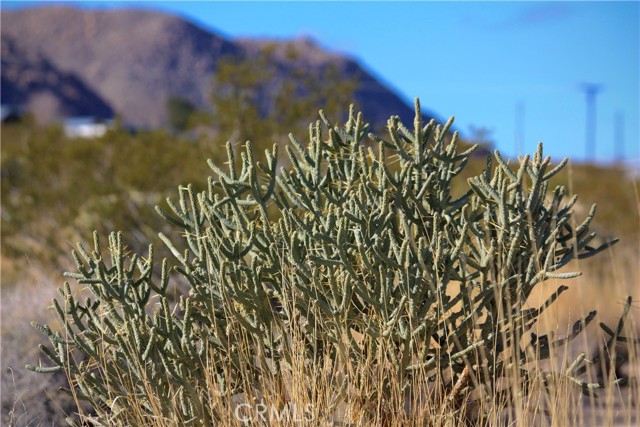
(307, 397)
(27, 399)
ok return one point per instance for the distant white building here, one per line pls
(86, 127)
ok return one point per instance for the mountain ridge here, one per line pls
(136, 59)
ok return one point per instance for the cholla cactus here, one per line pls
(356, 247)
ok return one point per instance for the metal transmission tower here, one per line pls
(591, 90)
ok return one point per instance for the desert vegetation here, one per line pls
(370, 280)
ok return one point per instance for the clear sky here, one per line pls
(514, 68)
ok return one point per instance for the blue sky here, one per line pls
(514, 68)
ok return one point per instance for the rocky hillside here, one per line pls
(30, 80)
(134, 60)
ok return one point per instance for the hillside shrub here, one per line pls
(350, 275)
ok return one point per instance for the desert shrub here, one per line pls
(349, 275)
(53, 186)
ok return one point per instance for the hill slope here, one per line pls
(32, 81)
(135, 59)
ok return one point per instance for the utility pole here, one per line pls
(591, 90)
(519, 128)
(618, 136)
